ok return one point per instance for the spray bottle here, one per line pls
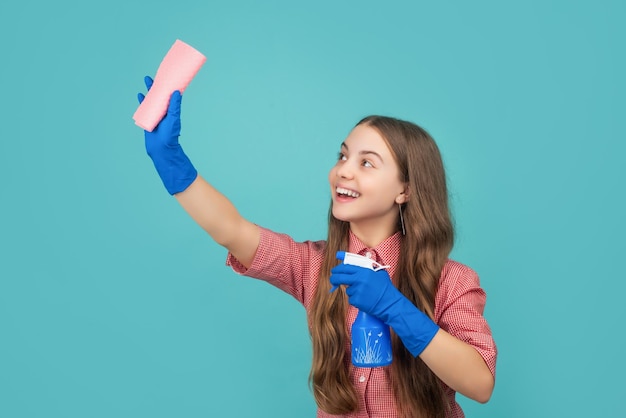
(371, 340)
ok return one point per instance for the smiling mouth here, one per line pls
(347, 192)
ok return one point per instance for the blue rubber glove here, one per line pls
(373, 292)
(173, 166)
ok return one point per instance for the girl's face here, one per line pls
(365, 183)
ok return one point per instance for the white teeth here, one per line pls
(347, 192)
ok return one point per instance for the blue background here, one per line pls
(113, 303)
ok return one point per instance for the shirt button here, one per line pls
(362, 379)
(368, 254)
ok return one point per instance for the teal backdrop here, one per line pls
(113, 303)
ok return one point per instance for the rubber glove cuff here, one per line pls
(414, 327)
(175, 169)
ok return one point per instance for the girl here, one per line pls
(389, 202)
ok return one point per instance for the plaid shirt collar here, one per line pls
(385, 253)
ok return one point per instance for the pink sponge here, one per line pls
(175, 72)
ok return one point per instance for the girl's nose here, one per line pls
(345, 170)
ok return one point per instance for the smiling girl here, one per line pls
(389, 203)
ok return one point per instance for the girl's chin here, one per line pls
(340, 216)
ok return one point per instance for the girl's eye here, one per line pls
(367, 164)
(342, 157)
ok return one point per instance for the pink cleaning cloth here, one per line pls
(178, 68)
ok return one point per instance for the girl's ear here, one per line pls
(404, 196)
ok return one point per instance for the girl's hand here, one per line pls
(369, 291)
(373, 293)
(173, 166)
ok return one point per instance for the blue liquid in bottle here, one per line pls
(371, 339)
(371, 342)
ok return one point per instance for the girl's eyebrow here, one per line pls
(363, 152)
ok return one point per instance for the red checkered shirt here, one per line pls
(294, 267)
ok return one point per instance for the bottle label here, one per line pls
(371, 343)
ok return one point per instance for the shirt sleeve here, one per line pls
(290, 266)
(459, 310)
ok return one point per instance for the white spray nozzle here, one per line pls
(358, 260)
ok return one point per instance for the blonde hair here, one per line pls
(424, 251)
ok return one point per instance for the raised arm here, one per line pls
(207, 206)
(220, 219)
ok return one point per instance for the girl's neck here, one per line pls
(371, 235)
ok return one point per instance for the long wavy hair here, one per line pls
(424, 251)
